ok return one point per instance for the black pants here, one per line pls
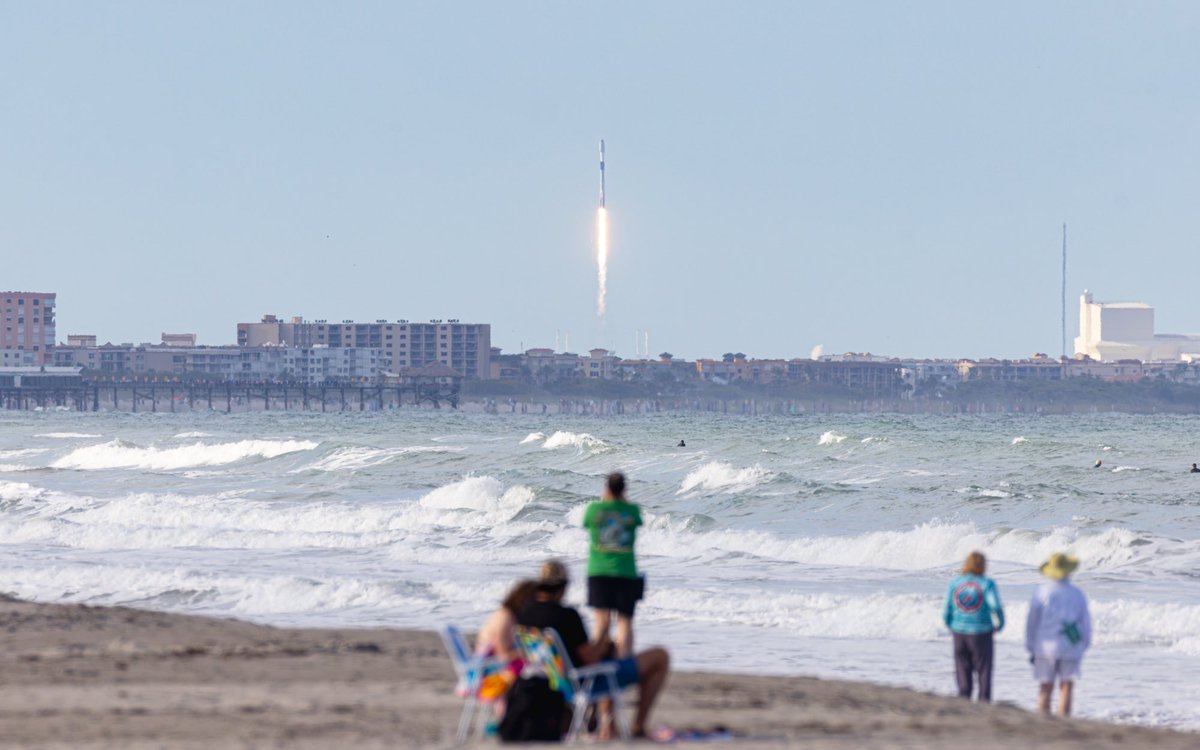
(973, 656)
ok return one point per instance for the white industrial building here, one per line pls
(1112, 331)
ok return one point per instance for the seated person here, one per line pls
(648, 669)
(496, 636)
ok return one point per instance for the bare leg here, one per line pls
(1065, 691)
(603, 618)
(1044, 691)
(624, 638)
(652, 675)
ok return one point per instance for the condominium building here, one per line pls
(466, 347)
(313, 365)
(28, 330)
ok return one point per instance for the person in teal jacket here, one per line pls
(973, 613)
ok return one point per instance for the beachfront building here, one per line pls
(1113, 331)
(301, 364)
(599, 364)
(465, 347)
(1011, 370)
(28, 331)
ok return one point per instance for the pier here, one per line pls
(225, 397)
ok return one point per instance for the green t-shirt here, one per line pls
(613, 528)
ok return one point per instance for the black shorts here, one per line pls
(610, 592)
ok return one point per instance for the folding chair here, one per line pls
(581, 686)
(471, 670)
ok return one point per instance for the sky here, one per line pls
(866, 176)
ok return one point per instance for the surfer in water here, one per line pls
(1097, 464)
(1195, 469)
(684, 445)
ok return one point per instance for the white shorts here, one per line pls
(1046, 670)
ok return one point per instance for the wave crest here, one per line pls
(117, 454)
(562, 439)
(717, 475)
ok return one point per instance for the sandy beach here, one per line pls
(78, 676)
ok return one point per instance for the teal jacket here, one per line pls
(972, 604)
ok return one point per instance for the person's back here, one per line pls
(544, 614)
(1059, 624)
(972, 605)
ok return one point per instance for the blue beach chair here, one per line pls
(471, 669)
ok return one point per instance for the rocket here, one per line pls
(602, 173)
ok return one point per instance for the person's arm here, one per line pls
(1085, 623)
(589, 516)
(1032, 621)
(993, 600)
(586, 652)
(948, 610)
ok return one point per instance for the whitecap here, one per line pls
(563, 439)
(830, 438)
(1019, 439)
(717, 475)
(533, 437)
(18, 452)
(116, 454)
(67, 435)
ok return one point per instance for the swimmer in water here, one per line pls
(1097, 464)
(684, 445)
(1195, 469)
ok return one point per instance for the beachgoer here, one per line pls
(1057, 632)
(496, 641)
(1195, 469)
(1097, 464)
(648, 669)
(496, 636)
(613, 581)
(973, 613)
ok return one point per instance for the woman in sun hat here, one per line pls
(1058, 632)
(973, 613)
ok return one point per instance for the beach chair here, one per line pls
(581, 686)
(470, 670)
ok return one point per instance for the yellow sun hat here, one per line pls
(1059, 566)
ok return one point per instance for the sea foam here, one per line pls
(717, 475)
(830, 438)
(116, 454)
(563, 439)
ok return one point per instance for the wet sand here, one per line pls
(92, 677)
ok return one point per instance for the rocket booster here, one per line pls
(601, 173)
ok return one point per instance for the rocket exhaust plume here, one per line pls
(601, 244)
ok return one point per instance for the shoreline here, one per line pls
(81, 676)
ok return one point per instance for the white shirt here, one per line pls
(1056, 607)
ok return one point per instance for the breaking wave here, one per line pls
(67, 435)
(563, 439)
(117, 454)
(360, 457)
(830, 438)
(716, 475)
(533, 437)
(927, 546)
(913, 617)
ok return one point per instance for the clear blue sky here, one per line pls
(873, 176)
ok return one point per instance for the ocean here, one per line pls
(818, 545)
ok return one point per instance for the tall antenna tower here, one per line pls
(1064, 292)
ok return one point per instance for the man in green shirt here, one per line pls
(613, 581)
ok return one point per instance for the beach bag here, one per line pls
(534, 712)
